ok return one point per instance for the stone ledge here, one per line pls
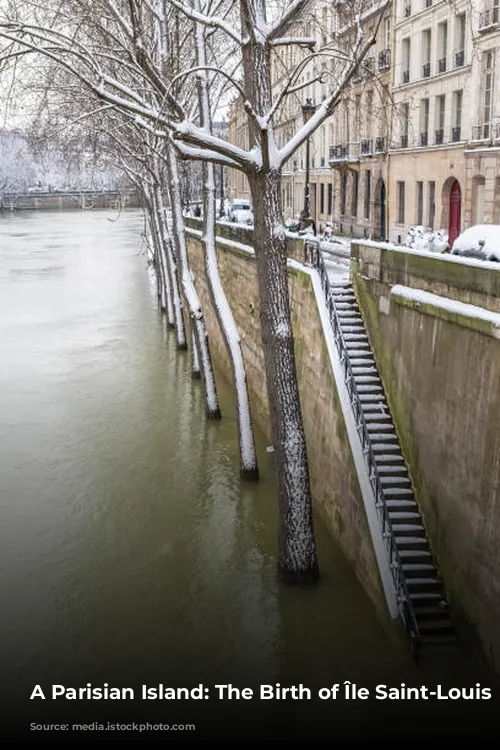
(468, 316)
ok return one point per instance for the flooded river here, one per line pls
(131, 552)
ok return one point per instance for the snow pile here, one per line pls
(481, 241)
(422, 238)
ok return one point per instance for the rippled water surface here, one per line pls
(131, 552)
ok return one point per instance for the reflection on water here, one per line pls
(131, 551)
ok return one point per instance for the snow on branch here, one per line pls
(309, 42)
(203, 154)
(206, 20)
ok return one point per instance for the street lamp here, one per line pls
(221, 208)
(308, 109)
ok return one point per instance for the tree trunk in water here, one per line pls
(297, 561)
(171, 272)
(195, 358)
(166, 291)
(248, 455)
(189, 289)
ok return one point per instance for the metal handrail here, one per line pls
(313, 257)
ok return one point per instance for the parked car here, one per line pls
(480, 241)
(240, 212)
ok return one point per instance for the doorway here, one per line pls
(455, 215)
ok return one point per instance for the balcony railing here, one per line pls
(384, 59)
(404, 141)
(439, 136)
(489, 17)
(459, 58)
(426, 3)
(344, 153)
(424, 138)
(442, 65)
(487, 131)
(380, 144)
(426, 70)
(455, 133)
(407, 10)
(366, 148)
(406, 76)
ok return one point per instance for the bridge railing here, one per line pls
(313, 257)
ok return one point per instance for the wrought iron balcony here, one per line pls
(459, 58)
(455, 133)
(380, 145)
(424, 138)
(427, 3)
(366, 148)
(404, 141)
(368, 67)
(406, 76)
(426, 70)
(489, 17)
(344, 153)
(442, 65)
(439, 136)
(407, 10)
(384, 59)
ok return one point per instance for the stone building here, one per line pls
(415, 138)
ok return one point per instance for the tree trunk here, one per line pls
(166, 291)
(171, 272)
(227, 324)
(297, 561)
(189, 290)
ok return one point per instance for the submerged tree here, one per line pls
(132, 75)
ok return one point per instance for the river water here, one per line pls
(131, 552)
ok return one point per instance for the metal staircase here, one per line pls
(420, 594)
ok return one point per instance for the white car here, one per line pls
(240, 212)
(480, 241)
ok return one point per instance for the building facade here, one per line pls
(415, 138)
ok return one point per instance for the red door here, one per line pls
(455, 213)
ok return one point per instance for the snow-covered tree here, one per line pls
(124, 53)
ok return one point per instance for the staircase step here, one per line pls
(390, 460)
(429, 627)
(413, 569)
(362, 362)
(351, 337)
(369, 388)
(374, 426)
(430, 612)
(401, 506)
(411, 543)
(427, 597)
(403, 515)
(398, 493)
(371, 398)
(364, 371)
(383, 437)
(407, 529)
(386, 471)
(389, 481)
(348, 317)
(345, 307)
(414, 555)
(385, 447)
(423, 584)
(357, 353)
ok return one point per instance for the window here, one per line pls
(405, 124)
(401, 202)
(440, 110)
(321, 198)
(405, 60)
(368, 189)
(457, 115)
(424, 122)
(487, 86)
(443, 46)
(330, 199)
(369, 113)
(420, 203)
(460, 40)
(387, 33)
(357, 116)
(426, 53)
(432, 204)
(354, 196)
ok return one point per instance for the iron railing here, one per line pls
(313, 257)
